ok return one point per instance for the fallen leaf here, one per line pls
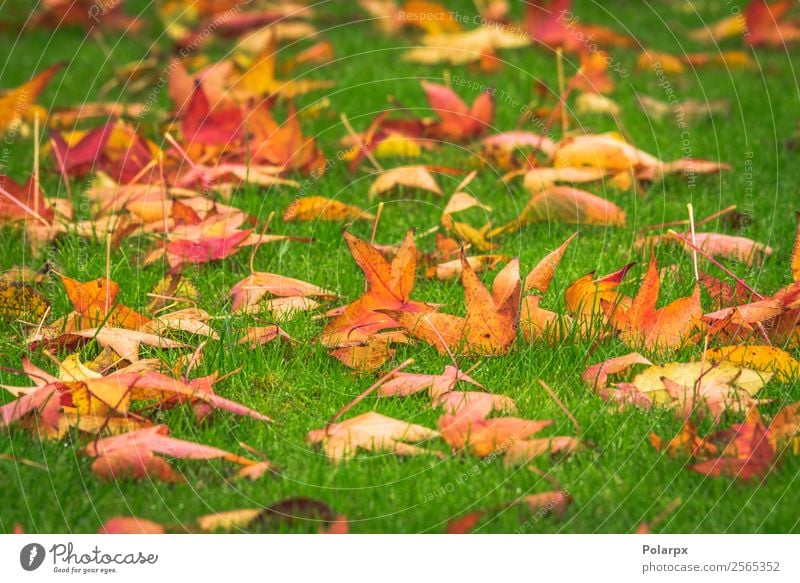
(133, 455)
(459, 48)
(370, 432)
(458, 122)
(248, 293)
(764, 358)
(542, 274)
(312, 208)
(21, 301)
(478, 263)
(130, 525)
(403, 383)
(492, 320)
(288, 512)
(474, 404)
(409, 176)
(663, 328)
(746, 455)
(769, 24)
(15, 104)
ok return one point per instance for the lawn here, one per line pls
(616, 482)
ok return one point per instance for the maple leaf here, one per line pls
(457, 120)
(259, 80)
(589, 299)
(538, 179)
(370, 432)
(777, 314)
(552, 24)
(452, 269)
(467, 47)
(134, 455)
(130, 525)
(386, 138)
(311, 208)
(57, 14)
(730, 26)
(592, 76)
(514, 140)
(474, 404)
(410, 176)
(723, 294)
(664, 328)
(769, 24)
(205, 126)
(404, 383)
(77, 154)
(492, 320)
(669, 63)
(319, 53)
(553, 503)
(688, 387)
(115, 392)
(115, 148)
(431, 17)
(747, 452)
(597, 374)
(537, 322)
(190, 320)
(564, 204)
(126, 343)
(507, 436)
(679, 385)
(95, 302)
(259, 335)
(714, 395)
(686, 443)
(23, 202)
(248, 293)
(738, 249)
(284, 145)
(695, 110)
(369, 355)
(389, 288)
(216, 237)
(596, 104)
(785, 427)
(15, 104)
(572, 206)
(542, 274)
(611, 153)
(182, 85)
(205, 250)
(285, 512)
(764, 358)
(41, 400)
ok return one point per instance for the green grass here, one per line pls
(616, 484)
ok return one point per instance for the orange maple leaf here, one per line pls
(668, 327)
